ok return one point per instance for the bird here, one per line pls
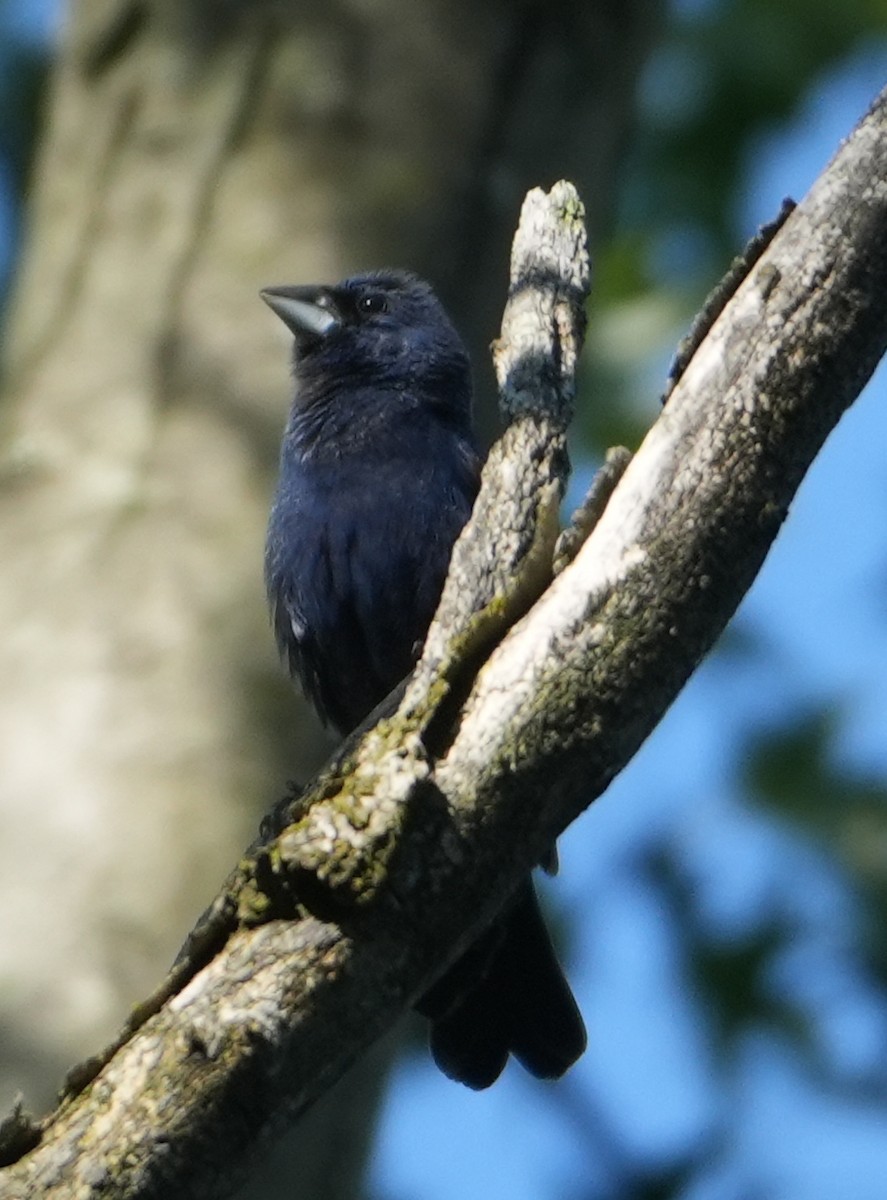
(379, 469)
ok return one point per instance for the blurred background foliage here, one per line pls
(723, 908)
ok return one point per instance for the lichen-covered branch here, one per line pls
(575, 688)
(503, 561)
(370, 884)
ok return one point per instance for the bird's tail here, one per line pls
(506, 995)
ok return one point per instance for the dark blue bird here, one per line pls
(378, 473)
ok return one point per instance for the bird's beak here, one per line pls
(309, 312)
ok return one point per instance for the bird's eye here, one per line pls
(373, 303)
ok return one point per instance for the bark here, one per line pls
(365, 888)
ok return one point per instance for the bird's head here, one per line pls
(384, 328)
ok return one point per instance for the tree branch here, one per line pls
(520, 713)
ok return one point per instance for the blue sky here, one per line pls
(33, 21)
